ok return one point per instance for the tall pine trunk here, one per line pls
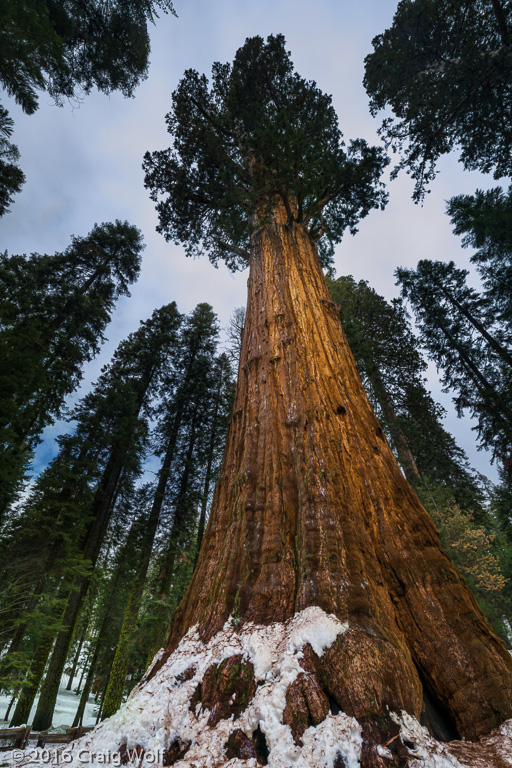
(311, 508)
(399, 440)
(76, 659)
(29, 690)
(181, 509)
(101, 509)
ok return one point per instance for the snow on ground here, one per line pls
(67, 703)
(158, 713)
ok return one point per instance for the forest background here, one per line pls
(83, 166)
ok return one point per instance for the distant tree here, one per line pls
(234, 333)
(221, 400)
(456, 329)
(112, 600)
(11, 176)
(185, 413)
(130, 382)
(53, 313)
(485, 222)
(444, 69)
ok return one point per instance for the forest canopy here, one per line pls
(444, 68)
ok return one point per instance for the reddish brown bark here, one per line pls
(226, 689)
(311, 508)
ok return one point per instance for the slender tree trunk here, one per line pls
(101, 513)
(482, 384)
(8, 712)
(498, 348)
(36, 671)
(181, 508)
(502, 21)
(117, 678)
(400, 441)
(76, 659)
(84, 668)
(208, 474)
(29, 691)
(114, 692)
(84, 698)
(105, 623)
(160, 618)
(311, 508)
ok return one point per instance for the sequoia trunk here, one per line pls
(311, 509)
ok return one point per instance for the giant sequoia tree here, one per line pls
(311, 508)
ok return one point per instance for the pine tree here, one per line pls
(11, 176)
(309, 495)
(190, 383)
(194, 418)
(108, 442)
(444, 69)
(113, 603)
(218, 416)
(140, 362)
(484, 220)
(54, 310)
(66, 49)
(456, 328)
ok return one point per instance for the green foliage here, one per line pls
(11, 177)
(61, 526)
(445, 70)
(481, 556)
(502, 505)
(67, 48)
(189, 436)
(457, 327)
(54, 310)
(260, 136)
(485, 222)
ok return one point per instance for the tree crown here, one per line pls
(257, 137)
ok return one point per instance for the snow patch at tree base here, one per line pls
(222, 705)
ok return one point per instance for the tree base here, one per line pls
(256, 695)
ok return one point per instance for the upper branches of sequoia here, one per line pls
(257, 137)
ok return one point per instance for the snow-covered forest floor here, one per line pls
(171, 719)
(67, 703)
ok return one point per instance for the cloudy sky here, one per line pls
(83, 165)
